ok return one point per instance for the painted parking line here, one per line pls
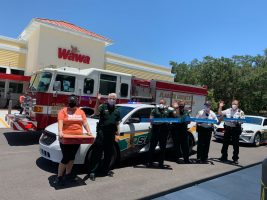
(4, 123)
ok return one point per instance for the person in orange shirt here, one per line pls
(71, 120)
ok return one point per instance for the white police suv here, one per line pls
(134, 136)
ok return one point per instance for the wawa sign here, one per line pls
(73, 55)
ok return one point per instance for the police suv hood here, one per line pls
(53, 128)
(252, 127)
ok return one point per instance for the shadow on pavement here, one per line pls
(240, 144)
(22, 138)
(67, 184)
(52, 167)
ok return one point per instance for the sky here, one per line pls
(156, 31)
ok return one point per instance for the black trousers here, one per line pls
(181, 138)
(104, 144)
(231, 133)
(68, 152)
(159, 134)
(203, 146)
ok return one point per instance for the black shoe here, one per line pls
(92, 176)
(59, 181)
(235, 162)
(204, 161)
(223, 159)
(161, 166)
(187, 162)
(70, 177)
(110, 173)
(149, 164)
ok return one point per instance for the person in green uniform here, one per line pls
(159, 133)
(179, 131)
(107, 128)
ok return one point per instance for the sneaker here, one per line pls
(59, 181)
(92, 176)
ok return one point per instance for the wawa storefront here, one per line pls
(56, 43)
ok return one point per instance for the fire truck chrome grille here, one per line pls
(48, 138)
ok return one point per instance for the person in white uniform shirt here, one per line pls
(232, 129)
(204, 131)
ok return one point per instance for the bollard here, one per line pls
(9, 106)
(264, 180)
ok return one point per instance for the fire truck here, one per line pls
(50, 87)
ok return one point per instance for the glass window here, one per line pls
(124, 90)
(2, 70)
(67, 82)
(88, 86)
(17, 72)
(15, 87)
(107, 84)
(41, 82)
(142, 113)
(124, 110)
(265, 122)
(253, 120)
(2, 87)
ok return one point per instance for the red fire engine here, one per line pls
(49, 89)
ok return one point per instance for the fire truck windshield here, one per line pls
(40, 82)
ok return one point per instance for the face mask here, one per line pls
(161, 106)
(206, 108)
(72, 104)
(111, 102)
(234, 107)
(181, 107)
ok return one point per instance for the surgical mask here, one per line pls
(72, 104)
(161, 106)
(111, 102)
(234, 107)
(181, 107)
(207, 108)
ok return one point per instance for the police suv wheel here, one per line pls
(257, 139)
(113, 161)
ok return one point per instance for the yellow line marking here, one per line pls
(3, 122)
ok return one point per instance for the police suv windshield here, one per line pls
(253, 120)
(123, 110)
(40, 82)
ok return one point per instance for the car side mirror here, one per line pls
(57, 86)
(133, 120)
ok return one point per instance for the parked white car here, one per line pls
(254, 131)
(134, 136)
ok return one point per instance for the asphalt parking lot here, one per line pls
(25, 175)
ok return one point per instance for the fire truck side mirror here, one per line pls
(57, 86)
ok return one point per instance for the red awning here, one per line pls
(14, 77)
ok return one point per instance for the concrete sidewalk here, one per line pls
(243, 184)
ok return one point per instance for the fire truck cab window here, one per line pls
(107, 84)
(40, 82)
(88, 86)
(67, 82)
(124, 90)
